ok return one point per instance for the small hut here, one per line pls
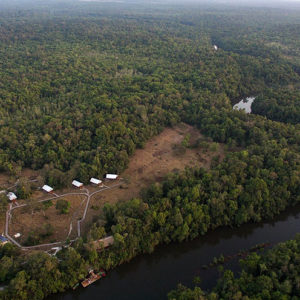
(95, 181)
(77, 184)
(111, 176)
(12, 196)
(47, 188)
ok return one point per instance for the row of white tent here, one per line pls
(12, 196)
(79, 184)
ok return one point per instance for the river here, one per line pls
(152, 276)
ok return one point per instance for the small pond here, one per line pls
(245, 104)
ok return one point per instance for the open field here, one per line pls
(161, 155)
(26, 220)
(7, 180)
(171, 151)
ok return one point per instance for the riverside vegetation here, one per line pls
(273, 275)
(80, 91)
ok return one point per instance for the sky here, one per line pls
(255, 3)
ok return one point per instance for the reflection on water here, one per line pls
(245, 104)
(152, 276)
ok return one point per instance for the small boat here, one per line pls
(92, 277)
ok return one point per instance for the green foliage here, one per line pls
(47, 204)
(96, 232)
(81, 92)
(282, 105)
(63, 206)
(39, 235)
(186, 141)
(24, 189)
(78, 97)
(274, 275)
(3, 206)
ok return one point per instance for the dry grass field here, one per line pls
(26, 221)
(171, 151)
(161, 155)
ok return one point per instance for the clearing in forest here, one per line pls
(44, 223)
(170, 151)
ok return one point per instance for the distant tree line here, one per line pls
(79, 96)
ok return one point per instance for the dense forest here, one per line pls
(282, 106)
(273, 275)
(80, 91)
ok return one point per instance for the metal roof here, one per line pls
(111, 176)
(3, 238)
(11, 196)
(47, 188)
(77, 183)
(95, 181)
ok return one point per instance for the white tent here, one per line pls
(111, 176)
(11, 196)
(77, 183)
(216, 47)
(47, 188)
(17, 235)
(95, 181)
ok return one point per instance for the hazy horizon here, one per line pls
(222, 2)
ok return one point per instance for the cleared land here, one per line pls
(161, 155)
(7, 181)
(47, 223)
(171, 151)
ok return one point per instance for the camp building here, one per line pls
(47, 188)
(77, 184)
(95, 181)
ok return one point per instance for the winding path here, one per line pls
(88, 196)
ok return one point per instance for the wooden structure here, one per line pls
(92, 277)
(105, 242)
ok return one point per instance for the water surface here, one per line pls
(245, 104)
(152, 276)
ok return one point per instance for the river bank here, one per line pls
(152, 276)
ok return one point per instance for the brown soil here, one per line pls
(160, 156)
(24, 222)
(7, 180)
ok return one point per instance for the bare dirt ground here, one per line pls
(7, 180)
(161, 155)
(2, 223)
(24, 221)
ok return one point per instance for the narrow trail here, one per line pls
(88, 198)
